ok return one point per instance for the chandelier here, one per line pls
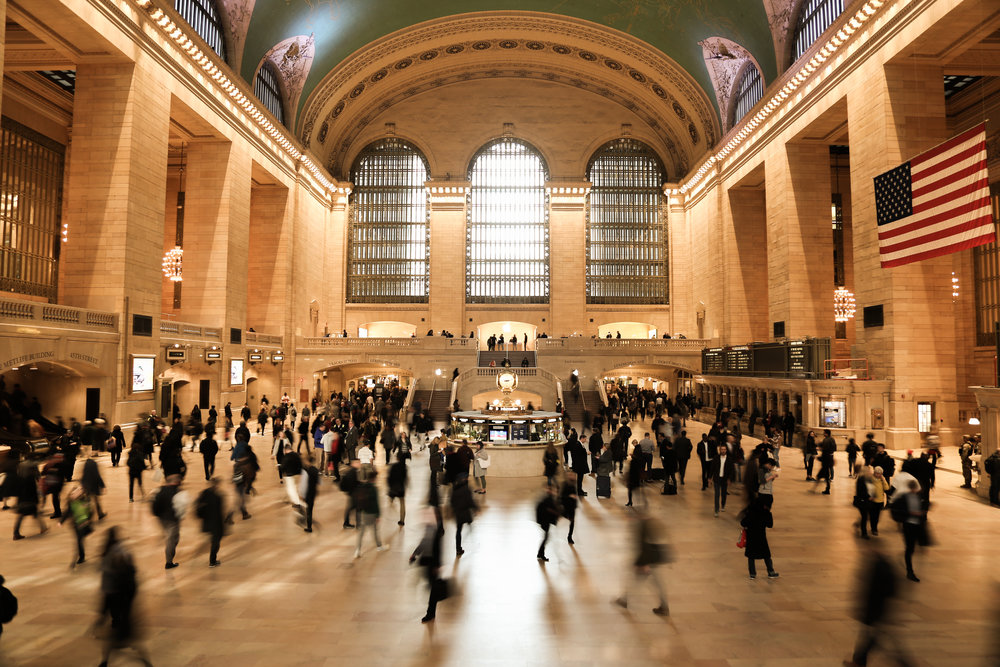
(172, 264)
(843, 305)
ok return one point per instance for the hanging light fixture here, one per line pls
(843, 305)
(172, 261)
(954, 287)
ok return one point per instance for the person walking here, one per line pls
(705, 453)
(209, 508)
(79, 510)
(878, 593)
(368, 509)
(876, 501)
(116, 443)
(809, 452)
(864, 486)
(208, 448)
(428, 556)
(650, 553)
(349, 484)
(827, 448)
(93, 485)
(118, 588)
(27, 497)
(721, 471)
(914, 519)
(462, 507)
(852, 450)
(682, 447)
(396, 482)
(310, 480)
(580, 465)
(634, 481)
(550, 463)
(243, 478)
(480, 463)
(169, 506)
(136, 464)
(756, 521)
(51, 483)
(568, 502)
(546, 515)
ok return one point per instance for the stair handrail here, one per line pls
(601, 392)
(559, 393)
(408, 403)
(454, 394)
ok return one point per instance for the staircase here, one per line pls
(439, 407)
(575, 408)
(424, 397)
(515, 358)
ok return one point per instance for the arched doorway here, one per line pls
(629, 330)
(508, 329)
(386, 329)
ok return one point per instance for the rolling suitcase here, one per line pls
(603, 486)
(657, 474)
(669, 488)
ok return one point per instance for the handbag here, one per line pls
(484, 463)
(742, 542)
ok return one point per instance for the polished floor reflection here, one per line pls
(284, 597)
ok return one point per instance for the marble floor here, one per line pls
(284, 597)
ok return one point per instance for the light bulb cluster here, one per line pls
(853, 24)
(172, 264)
(246, 104)
(954, 286)
(844, 306)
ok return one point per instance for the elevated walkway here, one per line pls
(516, 358)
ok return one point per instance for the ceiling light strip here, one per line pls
(206, 63)
(852, 25)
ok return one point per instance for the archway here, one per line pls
(630, 330)
(508, 328)
(65, 389)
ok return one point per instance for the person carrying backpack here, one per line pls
(169, 507)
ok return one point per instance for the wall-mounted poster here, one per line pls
(235, 371)
(833, 413)
(142, 373)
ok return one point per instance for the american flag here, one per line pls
(937, 203)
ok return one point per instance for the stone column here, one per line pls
(895, 113)
(568, 258)
(216, 236)
(744, 225)
(448, 270)
(270, 261)
(988, 399)
(799, 239)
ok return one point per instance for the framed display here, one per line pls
(833, 413)
(142, 373)
(235, 371)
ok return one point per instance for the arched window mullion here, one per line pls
(815, 16)
(268, 90)
(389, 237)
(626, 230)
(204, 18)
(749, 91)
(507, 237)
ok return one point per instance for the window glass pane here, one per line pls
(389, 235)
(203, 17)
(815, 17)
(626, 228)
(31, 176)
(507, 242)
(267, 90)
(986, 264)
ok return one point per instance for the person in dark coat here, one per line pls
(312, 490)
(636, 465)
(649, 553)
(757, 520)
(668, 457)
(879, 587)
(462, 507)
(550, 463)
(546, 515)
(428, 556)
(397, 479)
(705, 454)
(683, 448)
(209, 448)
(567, 502)
(349, 484)
(209, 509)
(580, 465)
(93, 485)
(136, 463)
(721, 470)
(116, 445)
(27, 497)
(118, 586)
(52, 482)
(595, 445)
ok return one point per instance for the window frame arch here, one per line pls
(624, 246)
(378, 285)
(806, 19)
(738, 94)
(485, 268)
(279, 89)
(212, 14)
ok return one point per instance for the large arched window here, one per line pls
(815, 16)
(507, 238)
(749, 90)
(389, 236)
(268, 90)
(626, 230)
(203, 16)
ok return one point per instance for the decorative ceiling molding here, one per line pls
(725, 60)
(293, 57)
(534, 46)
(779, 18)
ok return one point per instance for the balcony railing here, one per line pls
(270, 340)
(44, 314)
(187, 331)
(657, 344)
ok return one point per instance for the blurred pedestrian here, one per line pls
(118, 586)
(27, 497)
(93, 485)
(546, 516)
(368, 509)
(209, 508)
(136, 464)
(878, 591)
(169, 506)
(8, 605)
(428, 556)
(480, 463)
(568, 502)
(462, 507)
(397, 480)
(80, 511)
(310, 489)
(209, 448)
(756, 521)
(650, 552)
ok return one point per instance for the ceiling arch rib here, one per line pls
(725, 60)
(538, 46)
(293, 57)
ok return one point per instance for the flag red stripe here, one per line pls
(979, 149)
(983, 183)
(939, 234)
(934, 219)
(948, 145)
(944, 250)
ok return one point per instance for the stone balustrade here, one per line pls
(170, 329)
(44, 314)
